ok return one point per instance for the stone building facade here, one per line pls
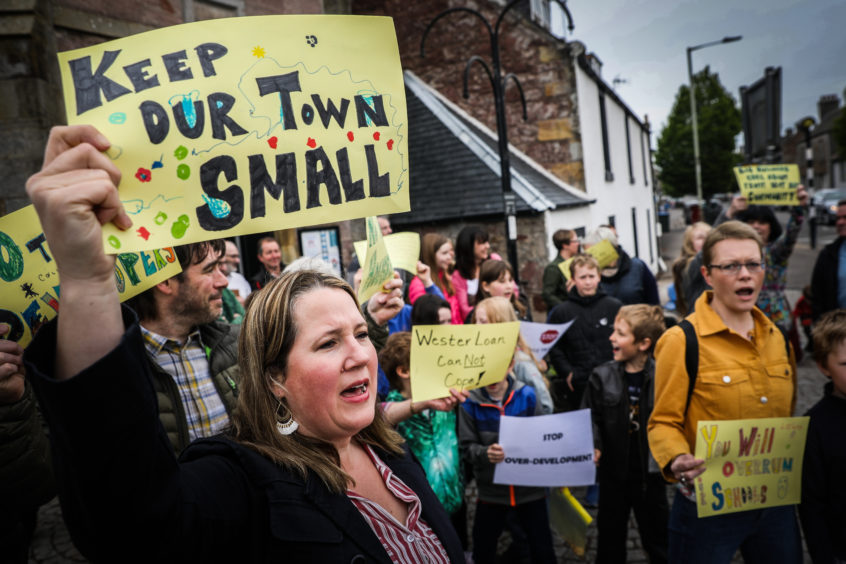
(829, 162)
(577, 128)
(552, 73)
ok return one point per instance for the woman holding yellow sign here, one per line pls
(744, 371)
(310, 471)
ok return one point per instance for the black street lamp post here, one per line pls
(498, 84)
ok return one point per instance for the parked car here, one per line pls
(827, 205)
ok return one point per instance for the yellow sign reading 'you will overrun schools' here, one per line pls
(749, 464)
(243, 125)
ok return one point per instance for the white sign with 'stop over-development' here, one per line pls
(547, 450)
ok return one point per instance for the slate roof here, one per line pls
(455, 167)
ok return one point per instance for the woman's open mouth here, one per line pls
(356, 392)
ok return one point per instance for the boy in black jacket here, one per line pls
(620, 397)
(585, 344)
(823, 507)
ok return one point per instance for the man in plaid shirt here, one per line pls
(194, 358)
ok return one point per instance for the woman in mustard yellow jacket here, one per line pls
(744, 371)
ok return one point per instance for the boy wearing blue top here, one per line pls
(823, 507)
(478, 436)
(620, 396)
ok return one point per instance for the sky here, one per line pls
(644, 43)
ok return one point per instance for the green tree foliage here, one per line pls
(839, 129)
(719, 123)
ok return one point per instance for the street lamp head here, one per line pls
(732, 38)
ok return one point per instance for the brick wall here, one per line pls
(551, 134)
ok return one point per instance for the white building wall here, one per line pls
(617, 196)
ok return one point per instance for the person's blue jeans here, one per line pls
(762, 535)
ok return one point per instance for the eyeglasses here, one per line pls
(733, 268)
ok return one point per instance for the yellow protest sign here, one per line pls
(235, 126)
(377, 265)
(769, 185)
(403, 248)
(459, 356)
(29, 283)
(604, 253)
(749, 464)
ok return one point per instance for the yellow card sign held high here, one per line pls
(234, 126)
(604, 253)
(403, 248)
(459, 356)
(749, 464)
(769, 185)
(377, 264)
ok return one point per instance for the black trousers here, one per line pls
(491, 519)
(616, 500)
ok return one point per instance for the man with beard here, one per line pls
(194, 358)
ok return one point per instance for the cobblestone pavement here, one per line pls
(52, 544)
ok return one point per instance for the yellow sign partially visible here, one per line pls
(749, 464)
(403, 248)
(459, 356)
(377, 265)
(29, 283)
(769, 185)
(235, 126)
(604, 253)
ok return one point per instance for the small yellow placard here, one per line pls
(29, 283)
(234, 126)
(769, 185)
(604, 253)
(749, 464)
(403, 248)
(377, 265)
(459, 356)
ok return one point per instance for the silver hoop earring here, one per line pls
(288, 426)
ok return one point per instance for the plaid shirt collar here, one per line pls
(156, 343)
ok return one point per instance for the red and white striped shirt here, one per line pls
(410, 543)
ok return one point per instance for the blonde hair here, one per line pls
(683, 262)
(645, 321)
(687, 250)
(829, 332)
(729, 230)
(268, 333)
(500, 310)
(582, 260)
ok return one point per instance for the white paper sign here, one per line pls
(547, 450)
(542, 336)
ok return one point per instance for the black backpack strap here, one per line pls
(691, 358)
(786, 340)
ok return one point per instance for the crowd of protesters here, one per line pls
(217, 418)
